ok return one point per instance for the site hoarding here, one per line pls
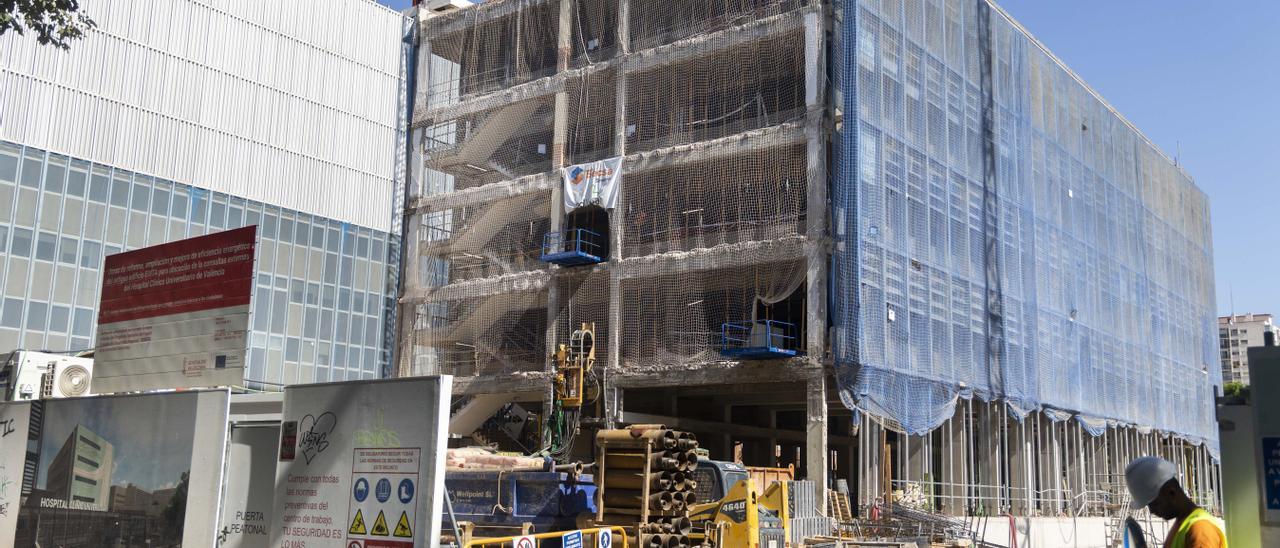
(361, 464)
(176, 315)
(122, 471)
(15, 418)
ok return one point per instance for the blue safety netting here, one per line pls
(1002, 233)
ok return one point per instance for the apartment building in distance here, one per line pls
(1236, 333)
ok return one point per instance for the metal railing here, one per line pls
(578, 240)
(589, 537)
(740, 335)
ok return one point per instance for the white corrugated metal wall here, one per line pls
(286, 102)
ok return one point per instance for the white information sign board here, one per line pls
(14, 420)
(361, 464)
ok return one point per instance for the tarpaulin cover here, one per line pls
(1002, 233)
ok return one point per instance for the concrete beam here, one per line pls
(724, 40)
(476, 15)
(741, 143)
(669, 54)
(740, 430)
(523, 386)
(507, 283)
(746, 142)
(715, 374)
(713, 258)
(541, 182)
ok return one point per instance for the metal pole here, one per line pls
(453, 520)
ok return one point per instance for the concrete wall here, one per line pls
(1063, 532)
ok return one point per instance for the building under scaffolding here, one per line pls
(892, 242)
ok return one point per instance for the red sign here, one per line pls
(176, 315)
(202, 273)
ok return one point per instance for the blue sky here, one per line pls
(1199, 79)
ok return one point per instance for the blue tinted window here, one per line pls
(99, 187)
(179, 205)
(141, 194)
(11, 315)
(58, 318)
(8, 167)
(30, 173)
(76, 182)
(47, 246)
(82, 325)
(217, 214)
(160, 202)
(269, 225)
(67, 251)
(199, 208)
(54, 176)
(90, 254)
(37, 315)
(120, 191)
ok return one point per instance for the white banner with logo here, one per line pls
(595, 183)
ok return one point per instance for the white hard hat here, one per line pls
(1145, 476)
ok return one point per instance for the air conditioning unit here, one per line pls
(67, 380)
(38, 375)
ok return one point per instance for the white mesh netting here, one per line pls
(706, 101)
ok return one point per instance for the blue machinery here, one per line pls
(505, 500)
(759, 340)
(572, 247)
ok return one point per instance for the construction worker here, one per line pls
(1153, 483)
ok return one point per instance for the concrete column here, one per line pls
(988, 456)
(954, 463)
(616, 226)
(559, 140)
(815, 454)
(816, 198)
(870, 451)
(1021, 467)
(727, 437)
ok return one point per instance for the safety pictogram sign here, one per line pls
(384, 497)
(572, 539)
(403, 529)
(357, 524)
(525, 542)
(604, 539)
(380, 526)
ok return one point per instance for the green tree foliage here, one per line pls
(55, 22)
(176, 512)
(1233, 389)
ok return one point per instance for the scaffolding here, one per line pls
(733, 120)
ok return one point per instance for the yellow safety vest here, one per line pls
(1199, 514)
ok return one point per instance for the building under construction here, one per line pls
(892, 242)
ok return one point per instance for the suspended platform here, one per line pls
(759, 340)
(572, 248)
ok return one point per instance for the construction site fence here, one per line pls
(590, 537)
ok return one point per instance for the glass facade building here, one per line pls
(320, 305)
(189, 117)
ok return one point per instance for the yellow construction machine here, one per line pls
(743, 516)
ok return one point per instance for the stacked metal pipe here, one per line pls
(671, 458)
